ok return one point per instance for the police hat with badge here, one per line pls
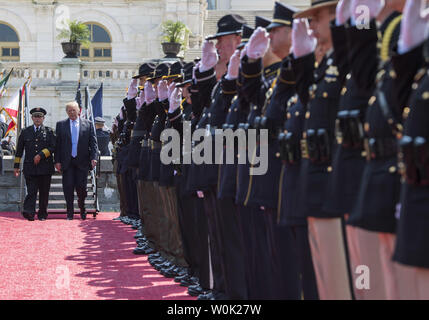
(227, 25)
(283, 16)
(146, 69)
(38, 112)
(186, 74)
(175, 72)
(161, 70)
(316, 5)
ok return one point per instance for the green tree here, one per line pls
(77, 32)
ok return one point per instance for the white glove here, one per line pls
(121, 115)
(258, 44)
(140, 100)
(162, 90)
(413, 25)
(209, 58)
(343, 12)
(171, 88)
(303, 43)
(233, 66)
(243, 52)
(360, 7)
(2, 118)
(132, 89)
(149, 92)
(175, 100)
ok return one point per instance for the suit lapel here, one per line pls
(81, 124)
(68, 129)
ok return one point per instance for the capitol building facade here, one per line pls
(124, 33)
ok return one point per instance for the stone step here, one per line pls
(56, 202)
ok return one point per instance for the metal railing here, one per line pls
(94, 172)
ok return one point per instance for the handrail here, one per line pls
(90, 116)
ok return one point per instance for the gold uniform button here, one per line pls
(343, 92)
(392, 169)
(366, 127)
(392, 74)
(289, 115)
(329, 169)
(414, 86)
(325, 94)
(363, 154)
(307, 115)
(372, 100)
(297, 114)
(255, 108)
(278, 155)
(349, 76)
(425, 95)
(406, 112)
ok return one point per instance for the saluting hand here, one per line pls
(413, 25)
(132, 89)
(302, 42)
(233, 66)
(209, 58)
(374, 7)
(162, 90)
(149, 92)
(258, 44)
(343, 12)
(37, 159)
(175, 99)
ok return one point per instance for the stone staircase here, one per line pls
(57, 202)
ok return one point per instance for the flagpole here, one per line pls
(18, 133)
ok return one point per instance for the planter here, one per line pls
(71, 49)
(171, 49)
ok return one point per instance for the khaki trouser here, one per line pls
(329, 258)
(122, 196)
(172, 232)
(365, 250)
(402, 281)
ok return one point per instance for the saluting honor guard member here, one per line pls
(38, 142)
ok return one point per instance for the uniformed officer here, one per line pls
(412, 82)
(326, 231)
(379, 193)
(38, 143)
(103, 136)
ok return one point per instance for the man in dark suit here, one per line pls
(75, 154)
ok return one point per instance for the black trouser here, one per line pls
(217, 263)
(37, 183)
(247, 238)
(75, 178)
(305, 262)
(232, 250)
(261, 258)
(131, 194)
(203, 242)
(189, 232)
(283, 259)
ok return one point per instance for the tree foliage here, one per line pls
(76, 32)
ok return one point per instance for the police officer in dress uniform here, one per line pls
(326, 230)
(379, 192)
(38, 143)
(412, 85)
(103, 136)
(204, 177)
(263, 189)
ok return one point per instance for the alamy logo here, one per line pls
(211, 146)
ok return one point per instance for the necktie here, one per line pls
(74, 139)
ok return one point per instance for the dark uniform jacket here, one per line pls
(103, 138)
(3, 130)
(380, 188)
(412, 83)
(36, 143)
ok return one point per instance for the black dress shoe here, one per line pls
(83, 215)
(117, 219)
(42, 218)
(195, 290)
(69, 218)
(206, 296)
(155, 255)
(138, 235)
(28, 216)
(182, 277)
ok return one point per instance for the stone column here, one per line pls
(70, 70)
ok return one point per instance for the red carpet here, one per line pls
(80, 260)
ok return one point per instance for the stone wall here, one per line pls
(108, 197)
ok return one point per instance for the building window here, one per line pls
(9, 43)
(211, 5)
(101, 44)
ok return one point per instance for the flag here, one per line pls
(97, 103)
(78, 97)
(3, 83)
(12, 107)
